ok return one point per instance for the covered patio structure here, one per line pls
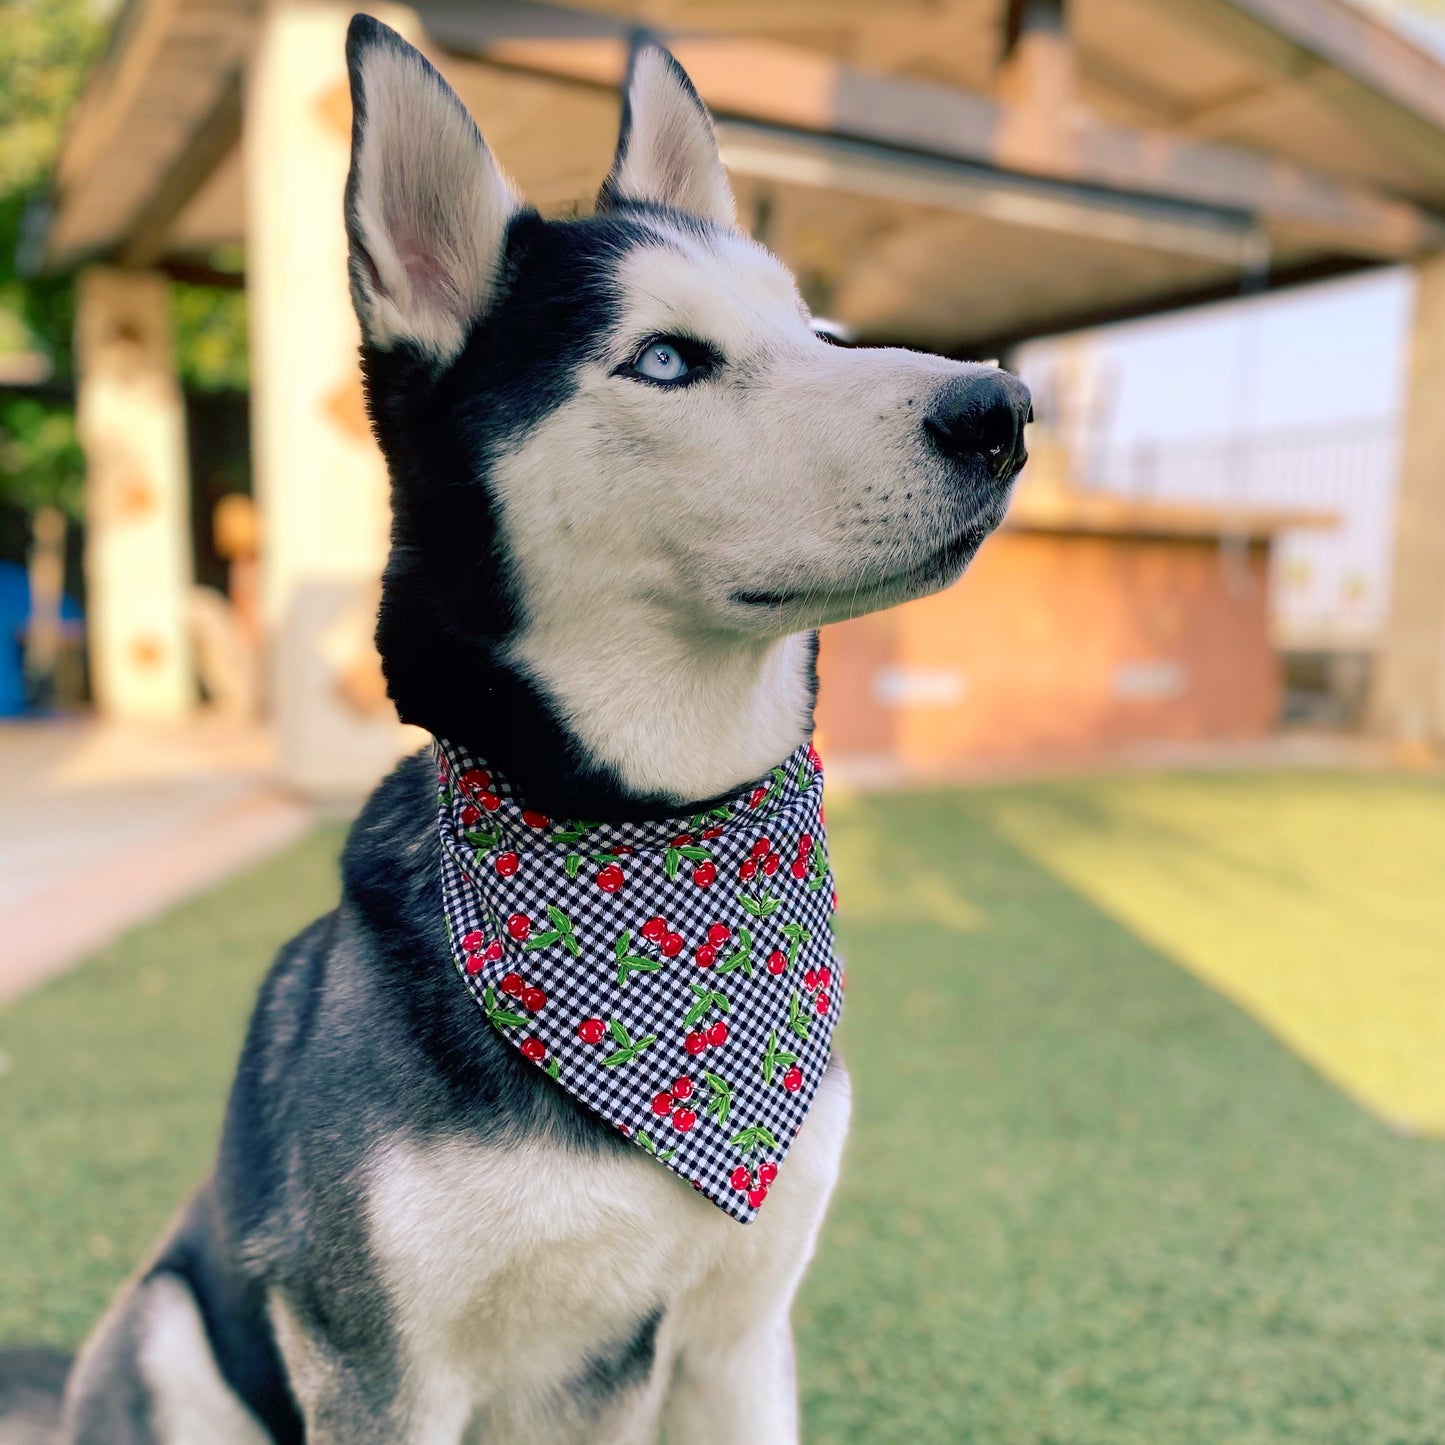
(954, 174)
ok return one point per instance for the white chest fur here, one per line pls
(508, 1268)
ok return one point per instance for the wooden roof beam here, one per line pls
(1356, 43)
(790, 87)
(212, 140)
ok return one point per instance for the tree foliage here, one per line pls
(209, 325)
(40, 459)
(46, 47)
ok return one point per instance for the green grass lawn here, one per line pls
(1087, 1198)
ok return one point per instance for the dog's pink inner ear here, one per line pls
(428, 208)
(432, 282)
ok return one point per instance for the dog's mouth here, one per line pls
(937, 569)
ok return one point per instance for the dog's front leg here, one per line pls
(735, 1379)
(351, 1399)
(728, 1392)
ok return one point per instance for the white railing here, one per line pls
(1330, 587)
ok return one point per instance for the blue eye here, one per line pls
(661, 361)
(672, 361)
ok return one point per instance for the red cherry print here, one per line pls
(756, 1196)
(533, 819)
(810, 979)
(591, 1031)
(684, 1119)
(507, 864)
(519, 926)
(494, 950)
(671, 945)
(681, 841)
(719, 934)
(534, 1049)
(770, 864)
(717, 1034)
(762, 847)
(475, 962)
(747, 869)
(621, 851)
(474, 781)
(610, 879)
(805, 845)
(714, 832)
(513, 984)
(798, 868)
(835, 900)
(654, 928)
(695, 1042)
(813, 757)
(473, 940)
(777, 962)
(755, 798)
(820, 1004)
(740, 1178)
(705, 874)
(793, 1079)
(682, 1089)
(470, 815)
(825, 977)
(706, 956)
(490, 801)
(662, 1103)
(767, 1173)
(534, 999)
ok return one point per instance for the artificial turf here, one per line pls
(1087, 1198)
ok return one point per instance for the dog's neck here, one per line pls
(674, 718)
(618, 723)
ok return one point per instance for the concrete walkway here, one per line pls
(103, 826)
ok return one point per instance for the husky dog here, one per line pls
(629, 481)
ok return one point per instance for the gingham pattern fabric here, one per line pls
(676, 977)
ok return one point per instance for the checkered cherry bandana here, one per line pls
(676, 977)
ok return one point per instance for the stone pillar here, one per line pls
(131, 421)
(320, 482)
(1408, 700)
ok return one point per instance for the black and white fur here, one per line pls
(606, 582)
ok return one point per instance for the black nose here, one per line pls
(982, 416)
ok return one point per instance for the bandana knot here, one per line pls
(676, 977)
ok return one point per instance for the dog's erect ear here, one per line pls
(426, 205)
(667, 153)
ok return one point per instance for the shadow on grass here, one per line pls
(1086, 1202)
